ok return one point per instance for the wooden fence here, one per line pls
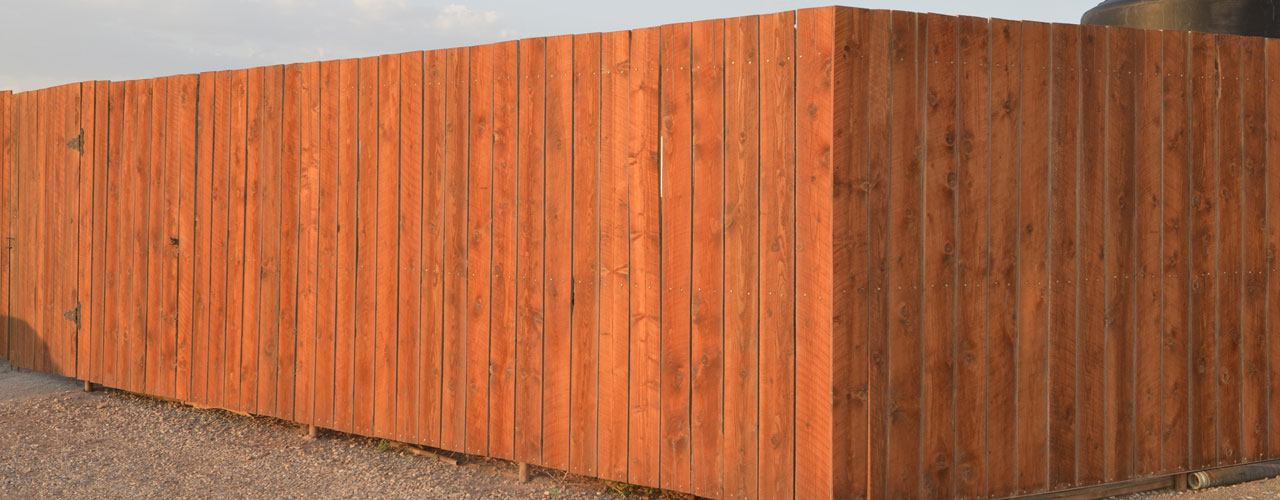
(814, 254)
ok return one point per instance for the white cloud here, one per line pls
(457, 17)
(378, 8)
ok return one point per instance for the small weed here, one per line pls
(384, 446)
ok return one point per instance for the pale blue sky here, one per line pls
(50, 42)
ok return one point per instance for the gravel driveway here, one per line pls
(57, 441)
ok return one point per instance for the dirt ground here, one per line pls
(57, 441)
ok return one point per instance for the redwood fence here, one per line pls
(814, 254)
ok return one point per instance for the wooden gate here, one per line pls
(42, 225)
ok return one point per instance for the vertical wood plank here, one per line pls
(1175, 251)
(454, 353)
(256, 258)
(1147, 198)
(676, 194)
(1090, 323)
(220, 238)
(153, 253)
(1002, 288)
(972, 265)
(502, 395)
(777, 259)
(385, 241)
(559, 202)
(289, 199)
(1204, 199)
(201, 335)
(644, 445)
(479, 249)
(271, 212)
(348, 182)
(306, 380)
(1123, 50)
(327, 273)
(1228, 377)
(237, 232)
(531, 225)
(741, 256)
(7, 126)
(366, 247)
(584, 351)
(101, 220)
(410, 248)
(880, 56)
(433, 246)
(939, 226)
(707, 310)
(1033, 262)
(1254, 250)
(252, 240)
(1273, 243)
(182, 153)
(84, 96)
(614, 267)
(1063, 256)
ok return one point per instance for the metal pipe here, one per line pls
(1231, 475)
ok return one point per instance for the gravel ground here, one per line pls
(57, 441)
(1267, 489)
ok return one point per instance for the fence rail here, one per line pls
(813, 254)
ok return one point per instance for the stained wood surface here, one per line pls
(822, 253)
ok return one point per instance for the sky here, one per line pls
(50, 42)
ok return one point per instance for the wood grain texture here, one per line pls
(531, 244)
(1273, 243)
(1147, 192)
(676, 121)
(1203, 251)
(347, 229)
(237, 230)
(479, 249)
(502, 332)
(1253, 273)
(1033, 261)
(1228, 377)
(290, 230)
(308, 341)
(938, 413)
(1175, 254)
(741, 256)
(1090, 322)
(220, 238)
(616, 116)
(202, 225)
(707, 309)
(454, 348)
(409, 328)
(433, 244)
(558, 320)
(972, 265)
(1064, 171)
(386, 269)
(1006, 105)
(879, 153)
(777, 255)
(367, 144)
(585, 296)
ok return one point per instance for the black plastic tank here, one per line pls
(1233, 17)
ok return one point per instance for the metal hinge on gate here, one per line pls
(77, 142)
(73, 315)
